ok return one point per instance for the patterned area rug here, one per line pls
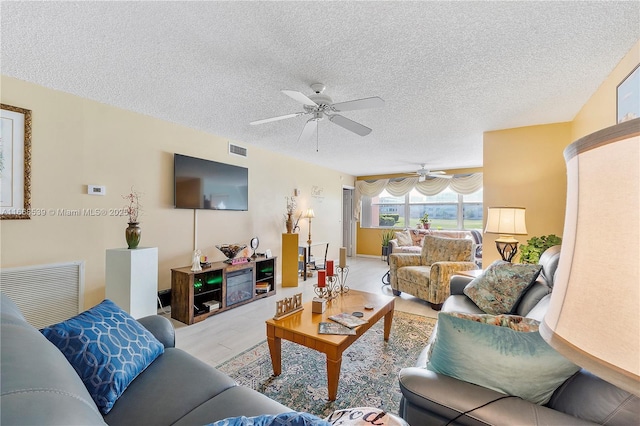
(368, 377)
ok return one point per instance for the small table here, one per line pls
(305, 252)
(302, 328)
(473, 273)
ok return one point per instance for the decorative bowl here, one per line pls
(231, 250)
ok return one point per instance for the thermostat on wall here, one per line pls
(96, 189)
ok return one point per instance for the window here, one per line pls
(447, 210)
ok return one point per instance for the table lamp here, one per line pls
(594, 314)
(506, 221)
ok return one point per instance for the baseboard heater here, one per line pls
(46, 294)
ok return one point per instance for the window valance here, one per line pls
(462, 184)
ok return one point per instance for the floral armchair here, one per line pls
(426, 275)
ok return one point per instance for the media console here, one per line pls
(196, 296)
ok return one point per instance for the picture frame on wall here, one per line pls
(628, 97)
(15, 162)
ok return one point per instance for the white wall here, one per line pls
(77, 142)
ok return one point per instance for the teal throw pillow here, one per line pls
(505, 353)
(499, 288)
(107, 347)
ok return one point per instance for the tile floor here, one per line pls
(229, 333)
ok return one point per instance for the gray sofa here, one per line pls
(429, 398)
(39, 386)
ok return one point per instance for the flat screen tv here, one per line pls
(206, 184)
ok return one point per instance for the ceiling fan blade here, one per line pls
(309, 129)
(282, 117)
(300, 97)
(350, 125)
(366, 103)
(434, 176)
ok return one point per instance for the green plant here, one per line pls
(530, 252)
(386, 236)
(424, 219)
(387, 220)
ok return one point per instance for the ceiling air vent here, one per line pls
(237, 150)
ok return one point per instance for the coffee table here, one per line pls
(302, 328)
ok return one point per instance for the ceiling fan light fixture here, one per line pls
(318, 87)
(319, 106)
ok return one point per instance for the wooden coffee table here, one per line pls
(302, 328)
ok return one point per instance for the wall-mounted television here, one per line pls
(206, 184)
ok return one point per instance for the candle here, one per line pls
(330, 268)
(343, 257)
(322, 278)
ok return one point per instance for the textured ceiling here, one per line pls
(448, 71)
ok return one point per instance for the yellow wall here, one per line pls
(369, 241)
(600, 111)
(538, 179)
(524, 167)
(77, 142)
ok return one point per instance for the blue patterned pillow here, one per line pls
(492, 351)
(107, 348)
(286, 419)
(499, 288)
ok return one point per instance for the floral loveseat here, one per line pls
(410, 241)
(426, 275)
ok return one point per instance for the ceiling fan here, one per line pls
(320, 106)
(424, 173)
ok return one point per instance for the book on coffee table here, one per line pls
(334, 328)
(347, 320)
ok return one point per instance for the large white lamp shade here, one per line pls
(594, 315)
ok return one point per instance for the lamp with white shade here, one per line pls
(506, 221)
(594, 314)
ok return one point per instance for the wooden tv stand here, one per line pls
(195, 296)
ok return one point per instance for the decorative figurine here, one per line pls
(195, 263)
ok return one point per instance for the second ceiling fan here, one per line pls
(321, 106)
(424, 173)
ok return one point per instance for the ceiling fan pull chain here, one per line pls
(317, 131)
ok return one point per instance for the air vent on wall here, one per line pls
(237, 150)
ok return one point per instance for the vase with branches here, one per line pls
(291, 210)
(133, 210)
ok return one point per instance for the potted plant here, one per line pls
(424, 220)
(530, 252)
(386, 236)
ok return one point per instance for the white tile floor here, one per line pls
(229, 333)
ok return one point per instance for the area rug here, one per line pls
(368, 376)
